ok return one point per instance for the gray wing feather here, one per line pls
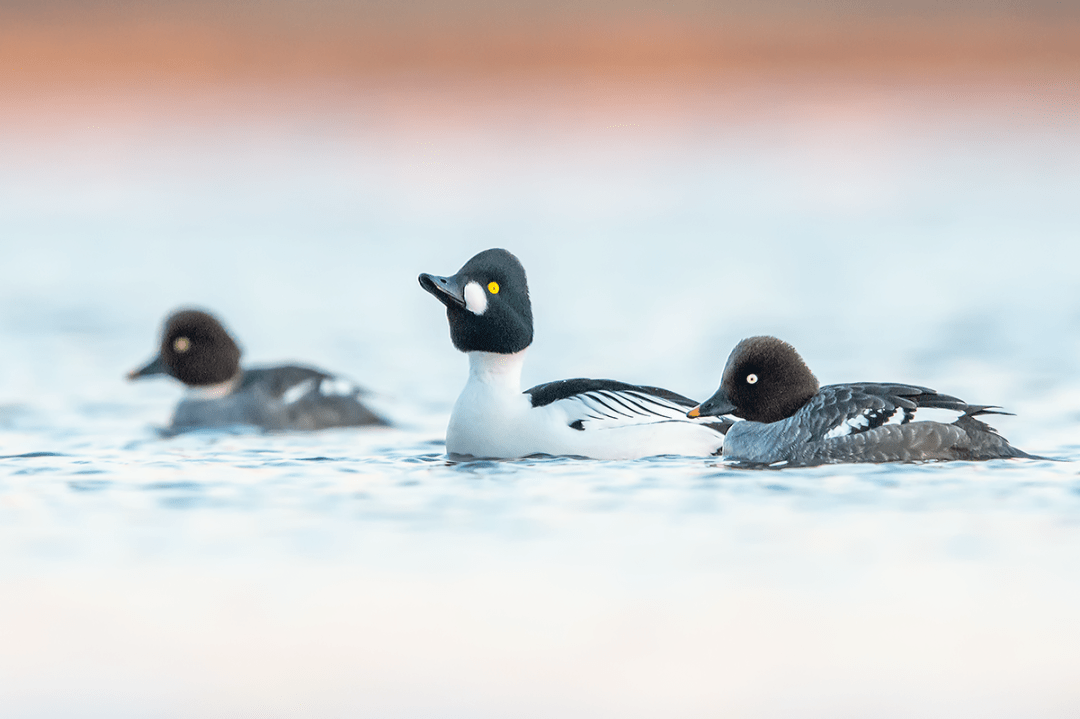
(902, 439)
(876, 404)
(312, 407)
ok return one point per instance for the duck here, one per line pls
(490, 316)
(197, 350)
(789, 420)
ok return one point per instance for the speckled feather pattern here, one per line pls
(802, 438)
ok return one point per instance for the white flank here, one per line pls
(475, 298)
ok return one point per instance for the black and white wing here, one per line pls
(595, 403)
(841, 410)
(286, 382)
(312, 398)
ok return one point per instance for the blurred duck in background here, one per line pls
(197, 350)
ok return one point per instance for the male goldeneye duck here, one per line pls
(487, 305)
(790, 420)
(199, 352)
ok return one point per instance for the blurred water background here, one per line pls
(899, 205)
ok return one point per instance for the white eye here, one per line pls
(751, 379)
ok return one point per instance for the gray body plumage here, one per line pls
(277, 399)
(886, 430)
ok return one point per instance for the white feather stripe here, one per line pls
(936, 414)
(870, 418)
(298, 390)
(658, 401)
(337, 387)
(658, 404)
(850, 425)
(624, 400)
(627, 405)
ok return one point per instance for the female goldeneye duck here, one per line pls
(487, 305)
(199, 352)
(791, 421)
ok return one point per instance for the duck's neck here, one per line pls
(216, 391)
(498, 371)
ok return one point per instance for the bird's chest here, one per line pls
(765, 442)
(487, 419)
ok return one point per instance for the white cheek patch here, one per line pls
(475, 298)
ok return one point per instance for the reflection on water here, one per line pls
(349, 573)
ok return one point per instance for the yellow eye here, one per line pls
(493, 288)
(181, 344)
